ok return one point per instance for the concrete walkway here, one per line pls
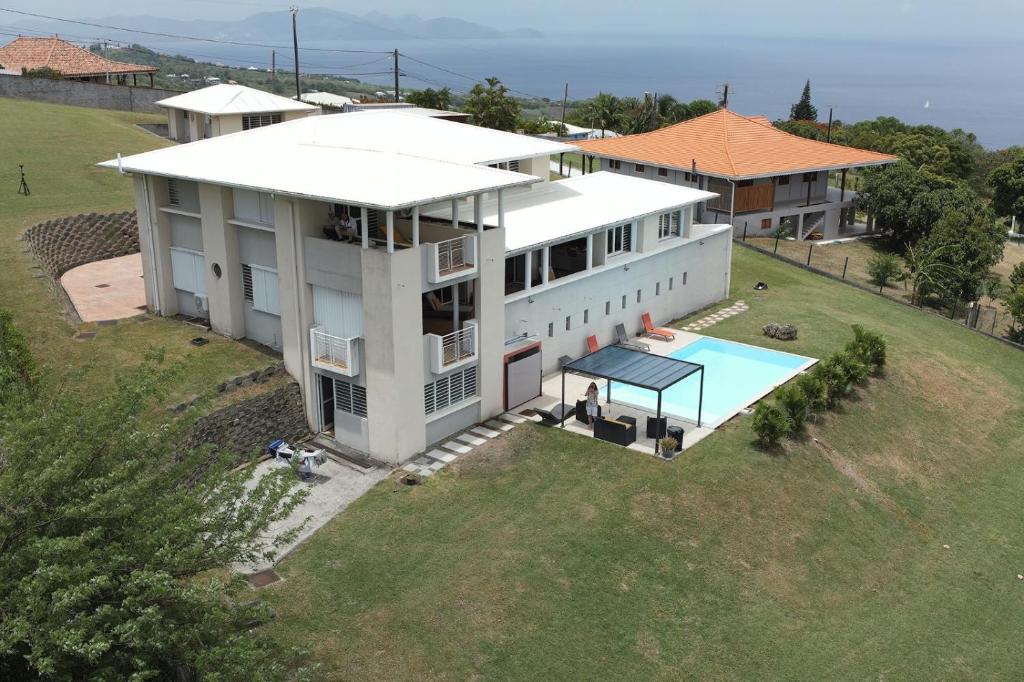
(109, 289)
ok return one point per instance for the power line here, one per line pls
(182, 37)
(469, 78)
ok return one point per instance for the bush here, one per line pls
(884, 267)
(668, 446)
(771, 424)
(814, 391)
(833, 376)
(792, 400)
(868, 347)
(18, 374)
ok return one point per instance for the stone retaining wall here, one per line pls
(246, 427)
(65, 243)
(82, 94)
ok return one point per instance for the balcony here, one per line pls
(453, 350)
(450, 258)
(334, 353)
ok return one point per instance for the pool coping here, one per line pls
(714, 424)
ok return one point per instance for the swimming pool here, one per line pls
(735, 375)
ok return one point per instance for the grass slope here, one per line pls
(547, 556)
(60, 146)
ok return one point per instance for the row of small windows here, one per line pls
(250, 121)
(608, 305)
(640, 169)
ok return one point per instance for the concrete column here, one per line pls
(590, 251)
(528, 262)
(800, 227)
(455, 213)
(155, 244)
(478, 212)
(455, 307)
(490, 315)
(391, 231)
(220, 246)
(545, 259)
(501, 208)
(415, 226)
(365, 218)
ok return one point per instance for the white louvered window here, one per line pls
(620, 239)
(260, 287)
(450, 390)
(250, 121)
(514, 165)
(188, 270)
(350, 398)
(247, 282)
(669, 224)
(253, 207)
(173, 192)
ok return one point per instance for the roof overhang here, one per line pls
(715, 174)
(634, 367)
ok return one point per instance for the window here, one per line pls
(514, 165)
(551, 330)
(253, 207)
(810, 177)
(250, 121)
(620, 239)
(259, 287)
(173, 194)
(638, 295)
(668, 224)
(745, 183)
(782, 180)
(623, 301)
(639, 168)
(657, 288)
(614, 165)
(350, 398)
(568, 323)
(671, 281)
(188, 270)
(766, 223)
(687, 176)
(684, 279)
(663, 172)
(607, 307)
(450, 390)
(586, 316)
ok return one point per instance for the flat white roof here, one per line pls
(218, 100)
(573, 207)
(326, 99)
(296, 159)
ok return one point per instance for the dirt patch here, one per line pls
(850, 471)
(498, 454)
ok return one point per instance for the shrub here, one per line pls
(833, 376)
(883, 267)
(851, 366)
(792, 400)
(868, 347)
(814, 391)
(771, 424)
(668, 446)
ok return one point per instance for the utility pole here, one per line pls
(396, 74)
(565, 98)
(828, 136)
(295, 46)
(724, 103)
(273, 65)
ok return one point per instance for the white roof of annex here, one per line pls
(225, 99)
(570, 208)
(380, 160)
(327, 99)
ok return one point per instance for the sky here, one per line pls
(881, 19)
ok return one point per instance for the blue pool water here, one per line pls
(735, 375)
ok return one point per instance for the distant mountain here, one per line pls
(315, 24)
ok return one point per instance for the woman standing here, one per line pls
(592, 407)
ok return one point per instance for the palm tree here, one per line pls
(926, 270)
(606, 112)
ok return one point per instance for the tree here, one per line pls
(640, 115)
(1015, 305)
(1007, 183)
(492, 107)
(18, 374)
(605, 111)
(1017, 276)
(969, 245)
(42, 72)
(883, 267)
(771, 424)
(431, 99)
(927, 208)
(926, 271)
(113, 543)
(804, 110)
(888, 193)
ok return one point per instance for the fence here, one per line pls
(850, 266)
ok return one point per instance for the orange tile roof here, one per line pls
(73, 61)
(728, 145)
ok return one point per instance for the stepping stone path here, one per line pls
(430, 463)
(717, 316)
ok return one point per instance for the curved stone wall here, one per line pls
(65, 243)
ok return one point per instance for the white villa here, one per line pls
(469, 275)
(765, 178)
(226, 108)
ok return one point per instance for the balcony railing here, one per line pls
(450, 258)
(453, 350)
(334, 353)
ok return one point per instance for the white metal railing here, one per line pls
(335, 353)
(451, 257)
(454, 349)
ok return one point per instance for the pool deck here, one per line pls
(576, 386)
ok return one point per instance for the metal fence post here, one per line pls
(809, 249)
(845, 264)
(744, 230)
(776, 249)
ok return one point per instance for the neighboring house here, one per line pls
(408, 108)
(469, 274)
(576, 133)
(327, 100)
(765, 178)
(26, 53)
(227, 108)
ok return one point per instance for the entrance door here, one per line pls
(326, 402)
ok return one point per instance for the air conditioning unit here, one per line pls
(202, 304)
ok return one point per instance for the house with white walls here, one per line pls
(461, 258)
(228, 108)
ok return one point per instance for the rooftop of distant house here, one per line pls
(72, 61)
(730, 145)
(227, 98)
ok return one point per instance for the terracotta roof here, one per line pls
(32, 53)
(728, 145)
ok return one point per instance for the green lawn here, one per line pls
(60, 147)
(548, 556)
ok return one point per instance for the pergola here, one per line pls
(636, 368)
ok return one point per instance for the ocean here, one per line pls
(976, 86)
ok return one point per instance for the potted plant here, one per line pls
(668, 447)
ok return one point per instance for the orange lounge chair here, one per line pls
(656, 332)
(592, 343)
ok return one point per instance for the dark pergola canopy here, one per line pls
(636, 368)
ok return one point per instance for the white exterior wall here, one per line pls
(707, 268)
